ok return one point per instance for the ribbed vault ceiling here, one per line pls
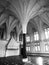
(17, 13)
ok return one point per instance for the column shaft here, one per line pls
(24, 46)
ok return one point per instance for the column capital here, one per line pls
(24, 28)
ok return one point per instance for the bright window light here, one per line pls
(47, 33)
(27, 49)
(36, 36)
(27, 38)
(46, 47)
(36, 48)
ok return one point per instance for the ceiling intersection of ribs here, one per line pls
(25, 10)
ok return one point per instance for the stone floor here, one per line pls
(14, 60)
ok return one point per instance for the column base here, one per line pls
(25, 59)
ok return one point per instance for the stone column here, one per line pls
(24, 46)
(24, 29)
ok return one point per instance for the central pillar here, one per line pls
(24, 46)
(24, 29)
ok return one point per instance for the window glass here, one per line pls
(36, 36)
(28, 49)
(47, 33)
(27, 38)
(46, 47)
